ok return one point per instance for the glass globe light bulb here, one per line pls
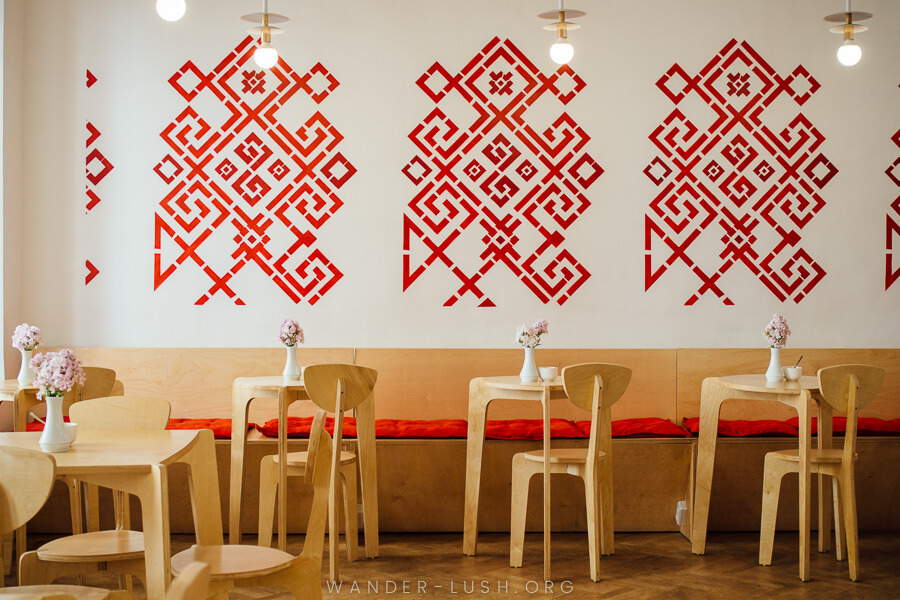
(170, 10)
(266, 56)
(561, 52)
(848, 53)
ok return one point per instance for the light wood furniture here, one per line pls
(336, 388)
(26, 478)
(137, 462)
(595, 388)
(483, 390)
(119, 550)
(191, 584)
(236, 565)
(61, 592)
(799, 395)
(249, 389)
(847, 389)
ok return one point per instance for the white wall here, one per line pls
(377, 51)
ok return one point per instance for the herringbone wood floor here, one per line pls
(644, 566)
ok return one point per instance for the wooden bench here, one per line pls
(651, 475)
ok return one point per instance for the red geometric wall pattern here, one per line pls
(246, 188)
(96, 168)
(498, 181)
(892, 271)
(734, 186)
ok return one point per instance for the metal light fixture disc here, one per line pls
(261, 30)
(567, 13)
(856, 28)
(855, 17)
(258, 18)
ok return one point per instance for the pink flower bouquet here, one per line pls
(26, 337)
(56, 372)
(291, 333)
(777, 331)
(530, 337)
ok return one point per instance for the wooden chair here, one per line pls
(241, 566)
(335, 388)
(848, 389)
(192, 584)
(26, 478)
(594, 387)
(118, 550)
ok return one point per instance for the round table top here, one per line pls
(81, 592)
(271, 383)
(759, 383)
(512, 382)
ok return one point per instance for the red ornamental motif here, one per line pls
(245, 188)
(726, 178)
(492, 187)
(892, 271)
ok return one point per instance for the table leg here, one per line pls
(240, 409)
(365, 433)
(478, 403)
(545, 405)
(282, 468)
(154, 496)
(711, 397)
(823, 438)
(204, 489)
(804, 425)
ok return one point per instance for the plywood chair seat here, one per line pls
(116, 544)
(298, 459)
(816, 456)
(575, 456)
(233, 561)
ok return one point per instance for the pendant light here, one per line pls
(265, 55)
(170, 10)
(848, 53)
(561, 52)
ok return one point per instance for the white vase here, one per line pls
(55, 438)
(26, 373)
(529, 372)
(774, 372)
(291, 369)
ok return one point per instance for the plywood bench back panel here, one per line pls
(696, 364)
(197, 381)
(430, 383)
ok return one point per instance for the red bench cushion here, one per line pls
(38, 426)
(221, 428)
(763, 427)
(647, 427)
(864, 425)
(531, 429)
(298, 427)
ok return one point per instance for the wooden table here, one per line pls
(799, 395)
(136, 462)
(22, 397)
(247, 389)
(481, 391)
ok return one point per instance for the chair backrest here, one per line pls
(849, 388)
(120, 412)
(321, 382)
(98, 383)
(26, 478)
(191, 584)
(318, 473)
(595, 387)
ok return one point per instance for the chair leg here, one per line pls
(840, 543)
(521, 476)
(605, 484)
(592, 502)
(848, 498)
(774, 472)
(74, 503)
(268, 490)
(92, 507)
(351, 527)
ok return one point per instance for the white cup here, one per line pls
(548, 373)
(792, 373)
(72, 430)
